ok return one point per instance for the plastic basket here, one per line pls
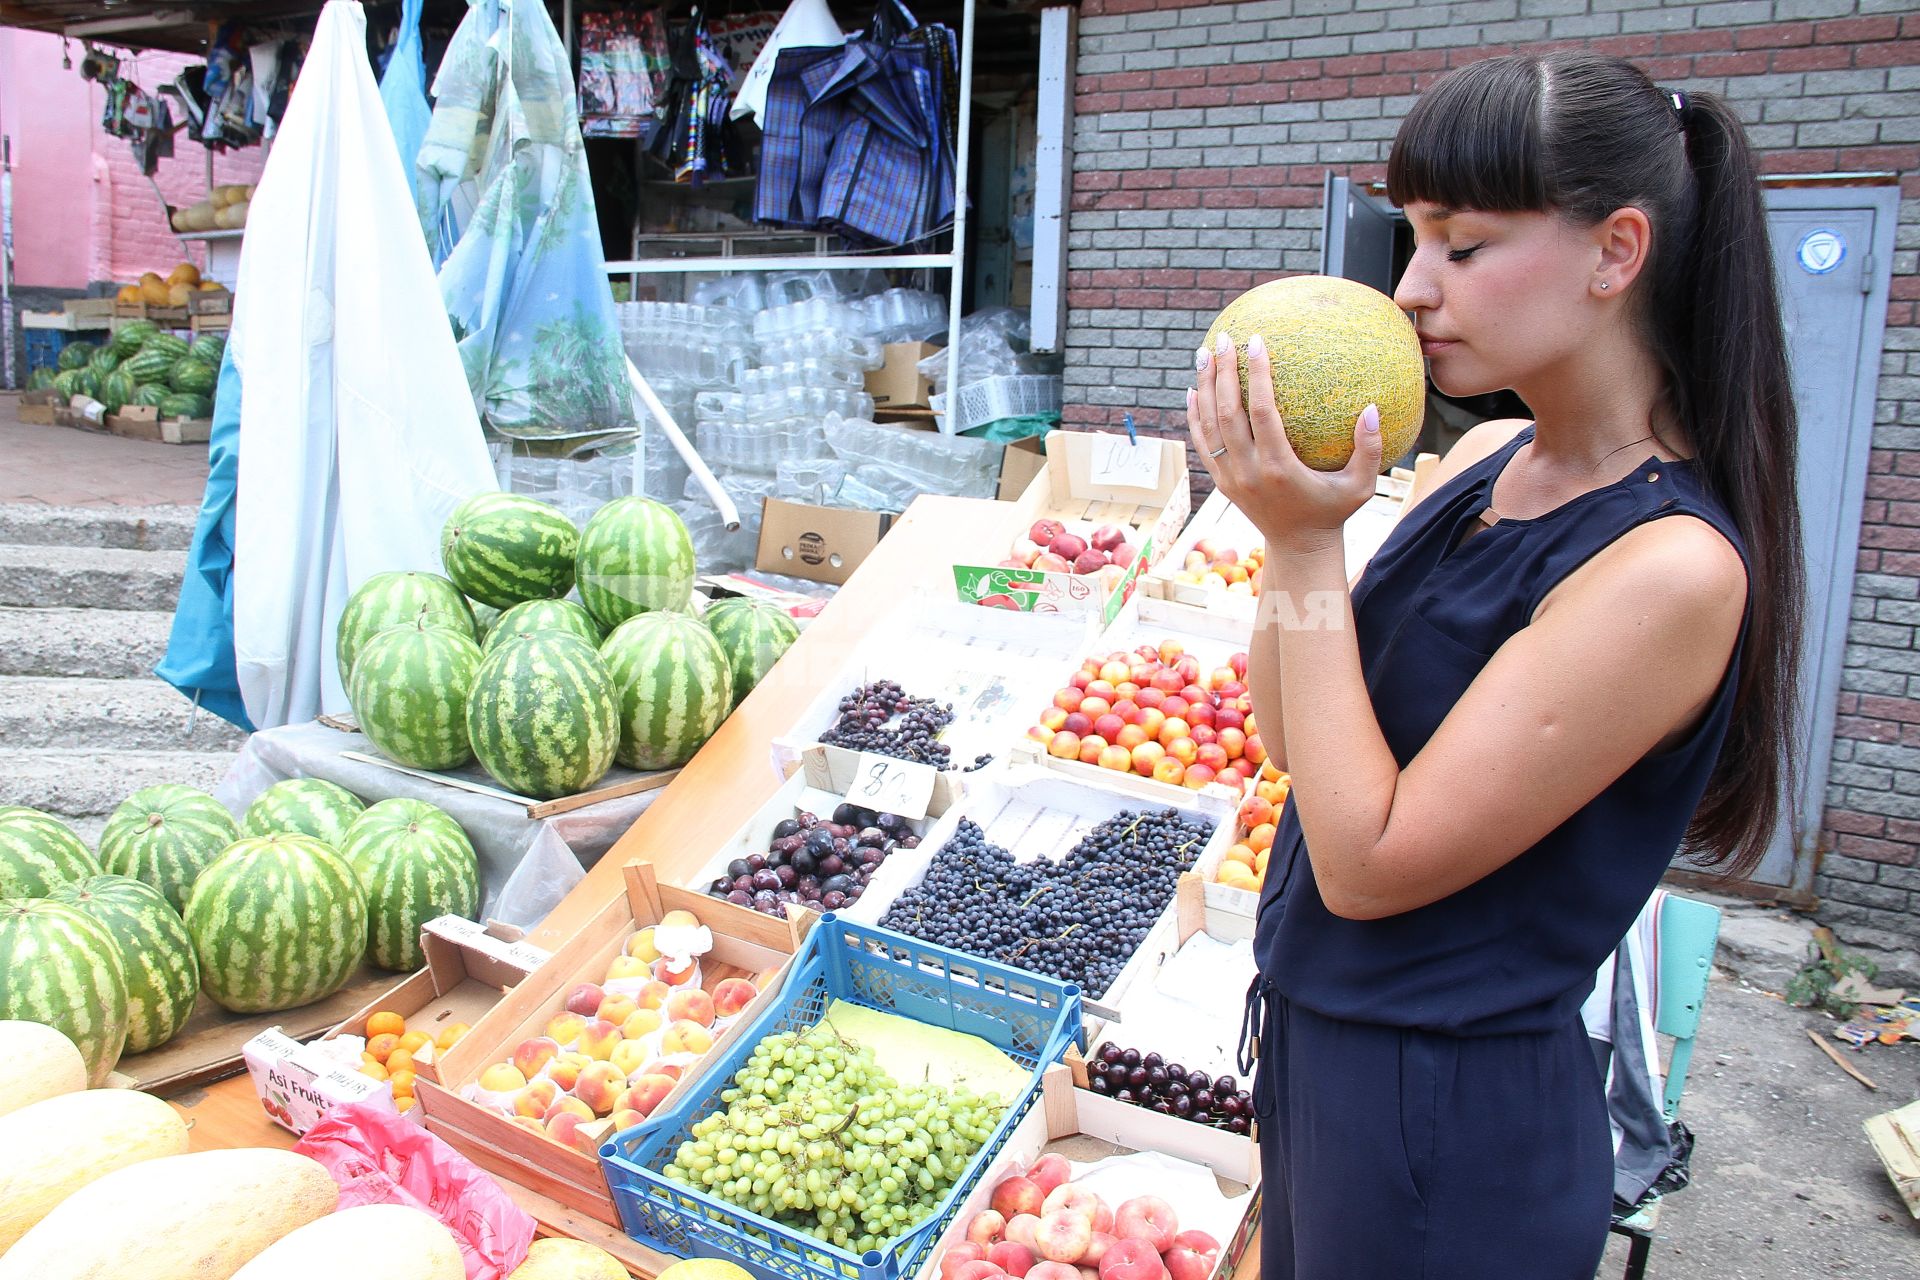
(43, 347)
(1019, 395)
(1030, 1018)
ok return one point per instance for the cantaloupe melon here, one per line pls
(1337, 346)
(402, 1242)
(185, 273)
(557, 1258)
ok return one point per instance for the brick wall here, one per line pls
(1204, 133)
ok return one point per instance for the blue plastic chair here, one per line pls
(1689, 933)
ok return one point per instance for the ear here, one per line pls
(1623, 239)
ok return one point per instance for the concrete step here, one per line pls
(89, 577)
(125, 528)
(114, 715)
(87, 784)
(106, 643)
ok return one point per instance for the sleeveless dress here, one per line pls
(1429, 1104)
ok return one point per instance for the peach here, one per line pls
(1114, 670)
(567, 1104)
(1064, 1235)
(630, 1056)
(1117, 758)
(1017, 1195)
(534, 1053)
(567, 1130)
(679, 919)
(663, 971)
(565, 1070)
(1212, 755)
(1130, 736)
(642, 1022)
(1146, 756)
(986, 1227)
(690, 1004)
(1096, 705)
(640, 945)
(1109, 726)
(616, 1009)
(653, 995)
(1040, 734)
(1131, 1259)
(1169, 770)
(1049, 1171)
(503, 1077)
(1078, 723)
(1065, 745)
(732, 996)
(565, 1028)
(661, 1067)
(1057, 1271)
(1053, 719)
(958, 1255)
(980, 1269)
(598, 1037)
(1198, 775)
(1201, 1243)
(1183, 1263)
(624, 1118)
(536, 1098)
(625, 966)
(1069, 1196)
(1090, 748)
(686, 1037)
(599, 1086)
(1172, 730)
(585, 999)
(1202, 734)
(1097, 1247)
(1185, 750)
(1021, 1227)
(647, 1093)
(1068, 699)
(1255, 750)
(531, 1124)
(1147, 1218)
(1012, 1257)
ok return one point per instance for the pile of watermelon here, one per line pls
(141, 364)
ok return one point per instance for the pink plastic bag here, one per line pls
(379, 1157)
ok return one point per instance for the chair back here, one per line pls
(1689, 932)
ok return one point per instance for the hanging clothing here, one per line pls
(403, 90)
(1620, 1016)
(1432, 1063)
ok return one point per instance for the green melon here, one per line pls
(208, 348)
(171, 345)
(37, 852)
(484, 616)
(277, 922)
(303, 806)
(156, 954)
(409, 691)
(635, 557)
(193, 377)
(116, 389)
(86, 382)
(129, 337)
(530, 616)
(61, 967)
(185, 405)
(391, 599)
(675, 687)
(67, 383)
(41, 379)
(501, 548)
(542, 716)
(149, 366)
(753, 636)
(164, 836)
(414, 863)
(76, 354)
(153, 395)
(104, 362)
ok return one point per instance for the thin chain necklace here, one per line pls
(1489, 516)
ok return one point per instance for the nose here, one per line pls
(1417, 290)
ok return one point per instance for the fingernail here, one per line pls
(1191, 396)
(1370, 419)
(1256, 346)
(1223, 344)
(1202, 358)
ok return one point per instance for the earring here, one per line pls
(1604, 284)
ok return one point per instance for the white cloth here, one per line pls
(805, 24)
(357, 432)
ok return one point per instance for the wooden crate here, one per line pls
(210, 303)
(166, 317)
(221, 322)
(1896, 1140)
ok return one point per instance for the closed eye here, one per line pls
(1461, 255)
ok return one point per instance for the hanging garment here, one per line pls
(1620, 1017)
(403, 90)
(623, 72)
(368, 440)
(805, 24)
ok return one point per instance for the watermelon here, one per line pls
(277, 922)
(530, 616)
(61, 967)
(635, 557)
(501, 548)
(392, 599)
(753, 636)
(116, 389)
(156, 954)
(76, 354)
(67, 383)
(208, 347)
(409, 691)
(542, 715)
(310, 807)
(37, 852)
(86, 382)
(183, 405)
(153, 395)
(129, 337)
(150, 366)
(41, 379)
(414, 863)
(103, 363)
(164, 835)
(193, 377)
(675, 686)
(171, 345)
(484, 617)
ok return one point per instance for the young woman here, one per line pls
(1572, 659)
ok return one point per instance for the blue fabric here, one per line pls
(199, 659)
(403, 90)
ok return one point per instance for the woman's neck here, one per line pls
(1604, 402)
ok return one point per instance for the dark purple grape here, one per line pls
(766, 878)
(1136, 1077)
(1157, 1079)
(1175, 1089)
(873, 857)
(1099, 1085)
(1177, 1071)
(870, 837)
(819, 842)
(831, 883)
(740, 898)
(1163, 1108)
(744, 882)
(765, 898)
(853, 894)
(1126, 1095)
(1152, 1060)
(785, 827)
(835, 900)
(1131, 1057)
(1182, 1105)
(1226, 1084)
(804, 862)
(1109, 1052)
(1238, 1124)
(755, 862)
(1199, 1082)
(737, 868)
(789, 846)
(777, 860)
(909, 842)
(1230, 1107)
(807, 821)
(809, 884)
(788, 876)
(865, 873)
(720, 887)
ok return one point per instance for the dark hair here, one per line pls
(1582, 135)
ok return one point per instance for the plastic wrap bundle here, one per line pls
(904, 315)
(579, 485)
(889, 466)
(698, 345)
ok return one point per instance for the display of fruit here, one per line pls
(75, 355)
(636, 557)
(392, 1050)
(409, 691)
(823, 865)
(277, 921)
(531, 616)
(1336, 346)
(1079, 919)
(753, 635)
(193, 377)
(674, 685)
(558, 1258)
(61, 967)
(886, 1152)
(1245, 864)
(502, 548)
(1149, 1080)
(1216, 565)
(393, 599)
(1156, 712)
(1042, 1227)
(224, 209)
(56, 1146)
(883, 718)
(305, 807)
(37, 852)
(36, 1061)
(156, 954)
(1050, 546)
(209, 348)
(409, 1242)
(544, 716)
(129, 337)
(414, 863)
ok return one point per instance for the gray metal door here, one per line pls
(1357, 240)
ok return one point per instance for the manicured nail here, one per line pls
(1370, 419)
(1223, 344)
(1192, 395)
(1202, 359)
(1256, 346)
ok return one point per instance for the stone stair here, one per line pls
(86, 604)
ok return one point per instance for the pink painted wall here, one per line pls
(83, 211)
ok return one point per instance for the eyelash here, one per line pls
(1461, 255)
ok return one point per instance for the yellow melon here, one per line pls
(558, 1258)
(185, 273)
(1337, 346)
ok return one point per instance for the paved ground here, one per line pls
(63, 467)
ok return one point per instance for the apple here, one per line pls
(1147, 1218)
(986, 1227)
(1183, 1263)
(1022, 1227)
(1064, 1235)
(1132, 1259)
(585, 999)
(958, 1255)
(1017, 1195)
(732, 995)
(1125, 554)
(1011, 562)
(1025, 550)
(1090, 561)
(977, 1270)
(1045, 531)
(1107, 537)
(1097, 1247)
(1014, 1258)
(1047, 562)
(1067, 545)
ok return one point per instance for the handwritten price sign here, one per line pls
(892, 786)
(1120, 461)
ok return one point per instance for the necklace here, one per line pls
(1490, 517)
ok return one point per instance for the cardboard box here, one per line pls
(210, 302)
(39, 407)
(898, 382)
(746, 944)
(1090, 479)
(1020, 462)
(143, 422)
(92, 308)
(822, 544)
(298, 1083)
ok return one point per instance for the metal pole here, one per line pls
(729, 514)
(8, 377)
(956, 281)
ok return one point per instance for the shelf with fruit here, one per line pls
(1105, 552)
(1236, 883)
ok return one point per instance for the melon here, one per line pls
(36, 1061)
(409, 691)
(753, 635)
(1336, 347)
(414, 863)
(303, 806)
(409, 1244)
(277, 922)
(165, 835)
(501, 548)
(156, 954)
(530, 616)
(391, 599)
(37, 852)
(53, 1148)
(62, 967)
(675, 686)
(543, 717)
(635, 557)
(558, 1258)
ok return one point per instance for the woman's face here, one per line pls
(1498, 299)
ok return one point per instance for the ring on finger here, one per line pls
(1218, 453)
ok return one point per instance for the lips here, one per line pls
(1431, 346)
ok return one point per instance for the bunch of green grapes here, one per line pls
(817, 1137)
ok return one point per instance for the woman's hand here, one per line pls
(1246, 451)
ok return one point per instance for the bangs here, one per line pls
(1473, 141)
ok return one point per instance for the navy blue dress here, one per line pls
(1429, 1103)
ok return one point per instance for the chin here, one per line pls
(1462, 384)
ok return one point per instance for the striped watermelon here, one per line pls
(277, 922)
(156, 954)
(415, 863)
(304, 807)
(193, 377)
(502, 548)
(129, 337)
(409, 691)
(530, 616)
(150, 366)
(171, 345)
(542, 716)
(37, 852)
(208, 347)
(675, 687)
(635, 557)
(76, 354)
(753, 636)
(389, 599)
(484, 616)
(60, 966)
(164, 835)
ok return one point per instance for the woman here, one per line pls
(1572, 658)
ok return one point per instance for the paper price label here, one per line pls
(892, 786)
(1134, 464)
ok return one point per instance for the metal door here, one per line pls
(1357, 243)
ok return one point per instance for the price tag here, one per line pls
(1134, 464)
(892, 786)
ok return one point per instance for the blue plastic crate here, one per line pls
(1030, 1018)
(43, 347)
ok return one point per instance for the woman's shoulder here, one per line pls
(1477, 445)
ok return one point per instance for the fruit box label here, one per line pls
(297, 1084)
(1028, 591)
